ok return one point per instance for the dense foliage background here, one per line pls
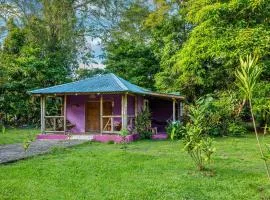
(192, 47)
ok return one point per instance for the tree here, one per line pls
(44, 42)
(128, 52)
(221, 32)
(168, 33)
(83, 73)
(40, 52)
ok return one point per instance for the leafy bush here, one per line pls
(221, 109)
(261, 104)
(196, 141)
(143, 124)
(236, 129)
(175, 130)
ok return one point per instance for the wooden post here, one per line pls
(54, 124)
(65, 113)
(122, 111)
(112, 122)
(136, 106)
(43, 113)
(125, 112)
(181, 109)
(101, 114)
(173, 109)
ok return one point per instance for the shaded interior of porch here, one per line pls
(104, 113)
(94, 113)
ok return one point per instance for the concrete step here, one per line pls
(82, 137)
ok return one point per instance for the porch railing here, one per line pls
(54, 124)
(113, 123)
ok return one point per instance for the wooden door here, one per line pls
(93, 117)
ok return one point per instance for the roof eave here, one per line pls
(166, 95)
(77, 93)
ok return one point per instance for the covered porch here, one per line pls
(90, 113)
(105, 113)
(103, 105)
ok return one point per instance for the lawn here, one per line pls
(147, 170)
(14, 135)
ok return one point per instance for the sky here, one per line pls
(97, 52)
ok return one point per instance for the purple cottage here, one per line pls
(101, 106)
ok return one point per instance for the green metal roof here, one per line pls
(108, 83)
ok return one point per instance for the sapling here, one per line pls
(248, 75)
(124, 134)
(196, 142)
(27, 142)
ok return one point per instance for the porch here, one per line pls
(104, 113)
(90, 114)
(103, 105)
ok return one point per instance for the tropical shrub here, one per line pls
(221, 110)
(143, 124)
(236, 129)
(261, 104)
(175, 130)
(196, 141)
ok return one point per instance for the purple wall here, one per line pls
(161, 109)
(140, 103)
(76, 108)
(76, 112)
(131, 105)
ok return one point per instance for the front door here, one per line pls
(93, 117)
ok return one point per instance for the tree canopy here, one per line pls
(221, 32)
(192, 47)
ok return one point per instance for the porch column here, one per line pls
(42, 113)
(101, 114)
(65, 113)
(173, 109)
(124, 111)
(181, 109)
(136, 106)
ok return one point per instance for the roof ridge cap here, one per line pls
(119, 82)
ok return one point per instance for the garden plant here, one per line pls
(248, 75)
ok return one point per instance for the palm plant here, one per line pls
(247, 76)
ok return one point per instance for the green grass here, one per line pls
(147, 170)
(13, 135)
